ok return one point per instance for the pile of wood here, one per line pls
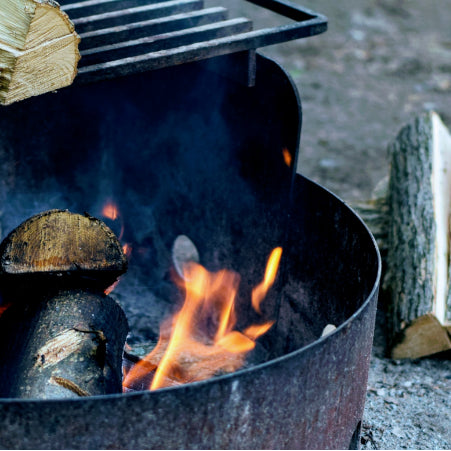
(38, 49)
(61, 336)
(411, 219)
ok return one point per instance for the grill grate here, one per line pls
(119, 37)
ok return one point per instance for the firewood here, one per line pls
(61, 336)
(38, 49)
(60, 247)
(62, 345)
(414, 236)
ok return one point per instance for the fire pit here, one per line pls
(207, 149)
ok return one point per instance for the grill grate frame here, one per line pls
(121, 37)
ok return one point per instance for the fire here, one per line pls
(3, 308)
(127, 249)
(111, 211)
(259, 292)
(287, 156)
(200, 340)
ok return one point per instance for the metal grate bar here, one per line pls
(150, 28)
(160, 42)
(119, 37)
(87, 8)
(138, 13)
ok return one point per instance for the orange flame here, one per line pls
(188, 350)
(111, 211)
(259, 292)
(127, 249)
(287, 158)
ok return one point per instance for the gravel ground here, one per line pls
(380, 63)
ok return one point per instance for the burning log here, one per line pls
(38, 49)
(412, 221)
(62, 336)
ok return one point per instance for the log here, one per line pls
(62, 248)
(61, 336)
(413, 229)
(62, 345)
(38, 49)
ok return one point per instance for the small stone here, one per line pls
(328, 330)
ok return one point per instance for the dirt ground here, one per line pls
(380, 63)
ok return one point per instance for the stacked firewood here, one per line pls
(410, 218)
(61, 336)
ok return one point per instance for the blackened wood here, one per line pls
(58, 245)
(62, 346)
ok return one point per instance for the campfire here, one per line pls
(195, 149)
(187, 351)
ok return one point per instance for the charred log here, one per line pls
(62, 249)
(64, 345)
(61, 337)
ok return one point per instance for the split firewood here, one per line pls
(61, 336)
(38, 49)
(413, 231)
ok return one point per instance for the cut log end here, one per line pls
(61, 336)
(61, 245)
(38, 49)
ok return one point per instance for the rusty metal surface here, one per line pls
(311, 393)
(312, 398)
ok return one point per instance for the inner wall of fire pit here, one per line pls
(186, 151)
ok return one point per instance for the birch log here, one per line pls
(413, 231)
(61, 336)
(38, 49)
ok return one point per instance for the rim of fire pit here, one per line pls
(304, 349)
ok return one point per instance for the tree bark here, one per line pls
(61, 336)
(62, 346)
(413, 232)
